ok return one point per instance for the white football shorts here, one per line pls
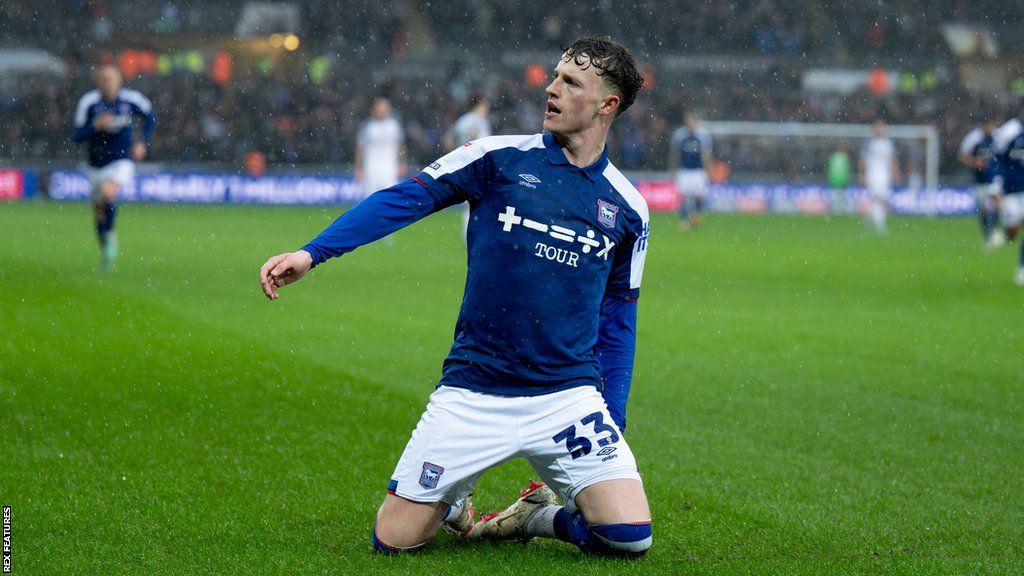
(568, 437)
(692, 182)
(377, 177)
(879, 188)
(1011, 209)
(983, 192)
(120, 171)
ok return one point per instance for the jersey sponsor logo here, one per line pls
(559, 255)
(606, 213)
(435, 166)
(430, 475)
(509, 220)
(641, 242)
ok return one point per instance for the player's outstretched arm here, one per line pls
(282, 270)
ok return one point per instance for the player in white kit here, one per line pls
(879, 170)
(380, 149)
(472, 125)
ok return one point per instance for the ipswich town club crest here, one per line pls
(430, 475)
(606, 213)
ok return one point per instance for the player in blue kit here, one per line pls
(1008, 146)
(543, 353)
(689, 159)
(104, 119)
(975, 152)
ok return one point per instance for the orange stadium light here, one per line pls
(535, 75)
(220, 72)
(147, 61)
(650, 78)
(128, 62)
(878, 82)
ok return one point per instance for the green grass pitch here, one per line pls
(808, 398)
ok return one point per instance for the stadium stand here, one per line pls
(295, 120)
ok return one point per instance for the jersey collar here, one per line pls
(557, 157)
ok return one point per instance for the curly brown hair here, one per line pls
(613, 61)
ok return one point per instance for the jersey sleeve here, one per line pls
(615, 352)
(380, 214)
(969, 142)
(83, 117)
(361, 135)
(142, 107)
(676, 140)
(463, 174)
(706, 141)
(1005, 135)
(628, 265)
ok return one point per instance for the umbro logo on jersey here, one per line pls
(528, 180)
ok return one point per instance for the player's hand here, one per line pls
(103, 121)
(138, 151)
(282, 270)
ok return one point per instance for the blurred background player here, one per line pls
(975, 152)
(1008, 147)
(380, 149)
(470, 126)
(105, 118)
(689, 158)
(878, 172)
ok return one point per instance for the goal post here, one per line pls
(805, 135)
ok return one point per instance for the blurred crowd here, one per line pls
(293, 119)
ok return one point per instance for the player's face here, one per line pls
(577, 96)
(109, 82)
(381, 109)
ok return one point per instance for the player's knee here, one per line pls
(381, 546)
(404, 526)
(633, 539)
(108, 190)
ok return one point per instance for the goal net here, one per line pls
(797, 152)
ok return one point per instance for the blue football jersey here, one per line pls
(690, 145)
(1009, 149)
(547, 243)
(114, 143)
(979, 146)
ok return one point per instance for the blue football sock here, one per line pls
(105, 221)
(111, 212)
(101, 227)
(613, 539)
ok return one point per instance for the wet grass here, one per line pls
(808, 398)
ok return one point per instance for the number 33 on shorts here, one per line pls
(579, 446)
